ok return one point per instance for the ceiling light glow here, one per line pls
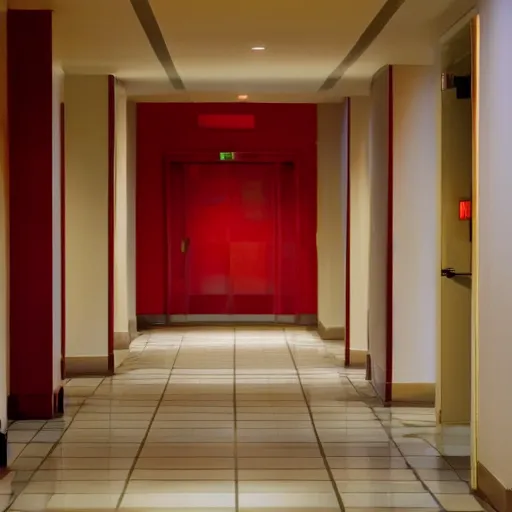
(242, 97)
(258, 48)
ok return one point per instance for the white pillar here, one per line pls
(4, 269)
(359, 227)
(89, 147)
(494, 247)
(331, 169)
(404, 252)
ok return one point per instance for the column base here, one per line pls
(96, 366)
(121, 340)
(41, 406)
(358, 358)
(331, 333)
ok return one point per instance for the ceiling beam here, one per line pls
(371, 32)
(156, 39)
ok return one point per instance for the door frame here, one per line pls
(213, 157)
(471, 19)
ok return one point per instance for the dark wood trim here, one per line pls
(347, 239)
(492, 490)
(111, 213)
(389, 248)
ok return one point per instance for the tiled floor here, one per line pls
(224, 420)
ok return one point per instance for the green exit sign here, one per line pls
(227, 156)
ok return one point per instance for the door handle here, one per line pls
(185, 245)
(450, 273)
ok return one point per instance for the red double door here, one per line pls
(231, 239)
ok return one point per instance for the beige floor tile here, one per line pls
(96, 435)
(110, 423)
(285, 501)
(83, 501)
(75, 487)
(282, 474)
(37, 450)
(52, 475)
(31, 502)
(187, 450)
(459, 502)
(437, 475)
(182, 501)
(198, 435)
(367, 463)
(88, 463)
(284, 450)
(181, 474)
(354, 487)
(418, 462)
(276, 436)
(373, 474)
(186, 463)
(193, 424)
(191, 416)
(26, 463)
(95, 450)
(389, 500)
(180, 486)
(285, 487)
(281, 463)
(448, 487)
(360, 450)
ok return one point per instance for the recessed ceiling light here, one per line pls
(242, 97)
(258, 48)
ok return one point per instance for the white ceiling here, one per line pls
(210, 43)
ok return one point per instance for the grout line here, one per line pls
(235, 446)
(319, 442)
(409, 466)
(143, 441)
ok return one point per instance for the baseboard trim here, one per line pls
(132, 329)
(414, 392)
(358, 358)
(492, 490)
(147, 322)
(331, 333)
(121, 340)
(88, 366)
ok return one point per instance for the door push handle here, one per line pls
(185, 243)
(450, 273)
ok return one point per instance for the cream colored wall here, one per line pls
(494, 249)
(331, 227)
(378, 173)
(359, 221)
(4, 268)
(416, 241)
(86, 107)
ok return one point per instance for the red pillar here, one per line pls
(33, 383)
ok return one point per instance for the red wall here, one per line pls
(164, 128)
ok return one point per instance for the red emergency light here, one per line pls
(465, 210)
